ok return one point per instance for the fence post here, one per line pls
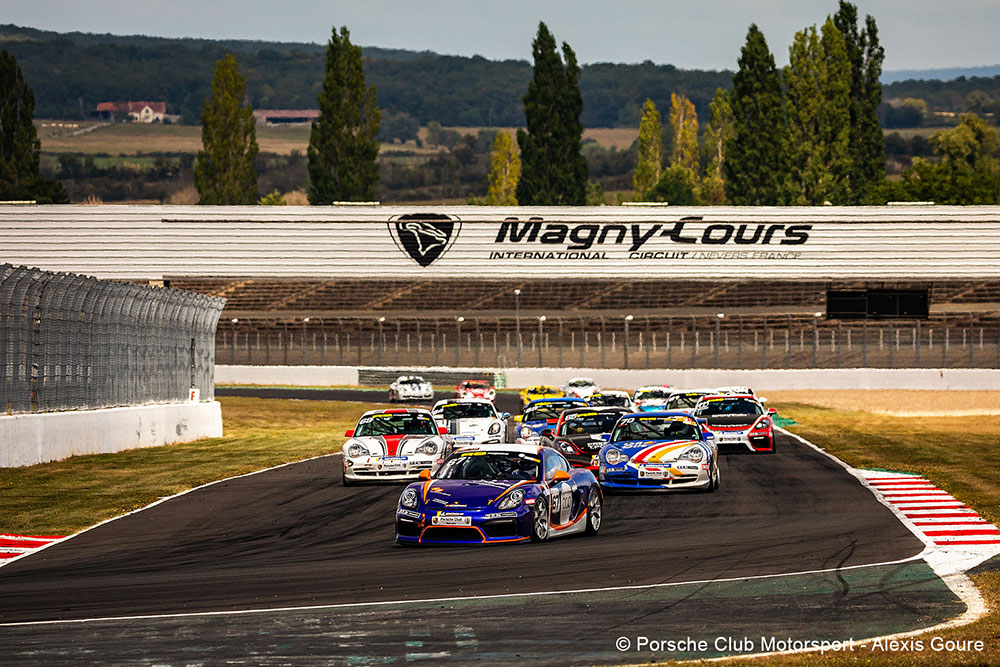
(916, 345)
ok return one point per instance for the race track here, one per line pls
(294, 536)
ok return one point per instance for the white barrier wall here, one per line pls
(27, 439)
(765, 379)
(309, 376)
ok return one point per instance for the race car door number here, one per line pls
(451, 520)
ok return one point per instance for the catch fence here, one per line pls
(957, 340)
(69, 341)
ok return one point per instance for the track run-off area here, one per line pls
(287, 566)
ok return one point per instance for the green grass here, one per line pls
(63, 497)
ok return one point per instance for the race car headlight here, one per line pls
(567, 448)
(694, 454)
(512, 500)
(614, 457)
(526, 432)
(495, 428)
(356, 450)
(429, 448)
(409, 498)
(762, 424)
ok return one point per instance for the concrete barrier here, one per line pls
(309, 376)
(27, 439)
(762, 379)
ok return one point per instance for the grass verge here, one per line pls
(960, 455)
(63, 497)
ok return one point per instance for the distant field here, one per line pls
(908, 132)
(134, 138)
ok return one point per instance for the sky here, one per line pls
(690, 34)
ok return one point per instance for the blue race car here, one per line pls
(541, 414)
(659, 451)
(500, 493)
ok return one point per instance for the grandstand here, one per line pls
(370, 285)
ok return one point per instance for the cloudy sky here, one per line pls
(703, 34)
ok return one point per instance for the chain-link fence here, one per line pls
(69, 341)
(955, 340)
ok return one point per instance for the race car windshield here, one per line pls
(602, 399)
(490, 465)
(588, 422)
(395, 424)
(682, 401)
(580, 383)
(476, 385)
(654, 428)
(543, 390)
(650, 393)
(465, 411)
(411, 381)
(544, 411)
(729, 406)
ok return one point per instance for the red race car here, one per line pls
(738, 419)
(475, 389)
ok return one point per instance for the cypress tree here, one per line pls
(867, 145)
(224, 169)
(756, 163)
(554, 171)
(343, 143)
(20, 178)
(818, 86)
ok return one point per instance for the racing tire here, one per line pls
(540, 520)
(595, 510)
(717, 480)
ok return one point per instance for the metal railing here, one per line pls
(70, 341)
(961, 340)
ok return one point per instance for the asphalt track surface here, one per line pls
(295, 537)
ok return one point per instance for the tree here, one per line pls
(867, 145)
(224, 169)
(968, 167)
(343, 143)
(677, 186)
(647, 171)
(554, 171)
(817, 80)
(20, 178)
(684, 130)
(756, 164)
(720, 129)
(505, 172)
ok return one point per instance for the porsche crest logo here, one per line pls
(425, 237)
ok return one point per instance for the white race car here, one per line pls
(580, 387)
(742, 391)
(394, 445)
(471, 421)
(411, 388)
(686, 401)
(653, 397)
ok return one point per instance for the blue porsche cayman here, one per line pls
(499, 493)
(542, 414)
(659, 451)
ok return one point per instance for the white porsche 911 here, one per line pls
(471, 421)
(411, 388)
(393, 445)
(580, 387)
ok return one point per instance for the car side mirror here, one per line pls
(762, 400)
(702, 420)
(349, 433)
(442, 430)
(772, 411)
(425, 475)
(504, 415)
(560, 476)
(709, 435)
(518, 418)
(546, 433)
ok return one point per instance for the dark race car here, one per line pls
(580, 433)
(540, 415)
(499, 493)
